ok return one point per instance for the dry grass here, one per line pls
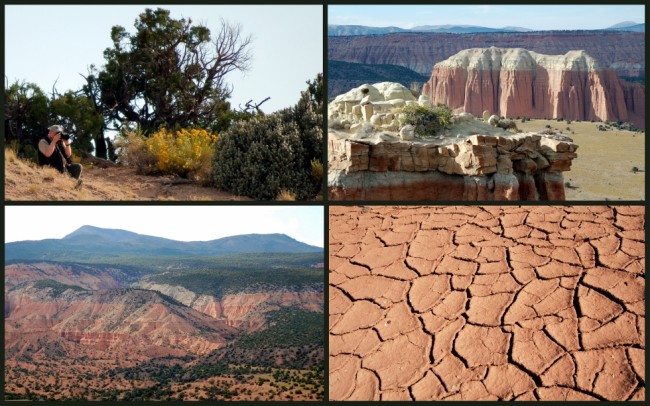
(286, 196)
(603, 169)
(10, 155)
(25, 180)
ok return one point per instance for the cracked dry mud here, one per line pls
(487, 303)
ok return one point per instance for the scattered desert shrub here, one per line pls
(133, 151)
(186, 152)
(426, 120)
(624, 126)
(547, 130)
(507, 124)
(266, 155)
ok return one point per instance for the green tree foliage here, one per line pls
(29, 111)
(77, 114)
(426, 120)
(168, 72)
(26, 117)
(287, 327)
(219, 282)
(267, 154)
(56, 289)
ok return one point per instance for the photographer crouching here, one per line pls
(54, 150)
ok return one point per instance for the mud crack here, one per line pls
(487, 303)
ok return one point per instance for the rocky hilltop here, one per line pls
(515, 82)
(622, 51)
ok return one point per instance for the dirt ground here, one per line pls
(603, 169)
(25, 181)
(487, 303)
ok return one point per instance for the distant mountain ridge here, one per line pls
(623, 24)
(341, 30)
(89, 240)
(634, 28)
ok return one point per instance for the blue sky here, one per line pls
(182, 223)
(540, 17)
(48, 44)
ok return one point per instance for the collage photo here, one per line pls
(324, 202)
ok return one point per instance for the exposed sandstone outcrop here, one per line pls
(514, 82)
(634, 94)
(371, 104)
(479, 168)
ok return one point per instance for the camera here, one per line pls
(66, 136)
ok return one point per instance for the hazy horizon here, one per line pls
(535, 17)
(179, 223)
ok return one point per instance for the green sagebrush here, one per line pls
(267, 154)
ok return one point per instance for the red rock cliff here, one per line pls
(515, 82)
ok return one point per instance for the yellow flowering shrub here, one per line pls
(186, 153)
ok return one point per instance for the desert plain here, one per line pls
(604, 168)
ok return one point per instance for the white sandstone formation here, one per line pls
(373, 104)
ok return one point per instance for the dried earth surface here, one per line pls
(487, 303)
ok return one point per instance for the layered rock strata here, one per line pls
(622, 51)
(109, 318)
(479, 168)
(515, 82)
